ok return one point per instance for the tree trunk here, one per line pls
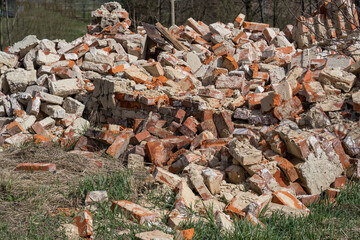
(7, 22)
(172, 12)
(275, 12)
(1, 30)
(302, 7)
(248, 9)
(261, 10)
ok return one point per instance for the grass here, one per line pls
(44, 23)
(27, 198)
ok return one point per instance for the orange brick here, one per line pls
(80, 50)
(254, 220)
(187, 234)
(229, 63)
(254, 99)
(117, 69)
(39, 139)
(220, 49)
(236, 209)
(257, 27)
(261, 75)
(287, 199)
(308, 77)
(49, 167)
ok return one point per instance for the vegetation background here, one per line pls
(67, 19)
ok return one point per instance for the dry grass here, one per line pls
(25, 194)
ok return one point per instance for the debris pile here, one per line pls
(235, 112)
(334, 20)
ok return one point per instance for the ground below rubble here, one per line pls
(40, 202)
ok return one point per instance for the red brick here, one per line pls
(176, 142)
(288, 109)
(307, 200)
(134, 211)
(297, 188)
(340, 182)
(84, 222)
(332, 192)
(39, 129)
(189, 127)
(287, 167)
(174, 126)
(159, 132)
(224, 124)
(215, 143)
(208, 123)
(280, 178)
(141, 136)
(182, 161)
(14, 128)
(48, 167)
(180, 115)
(199, 139)
(137, 123)
(166, 177)
(120, 144)
(156, 153)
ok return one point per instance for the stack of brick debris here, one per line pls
(239, 111)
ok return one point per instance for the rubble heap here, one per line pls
(221, 111)
(333, 21)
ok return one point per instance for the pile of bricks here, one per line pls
(222, 111)
(333, 21)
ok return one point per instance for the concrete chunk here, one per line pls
(24, 46)
(9, 60)
(53, 111)
(19, 79)
(338, 78)
(65, 87)
(244, 153)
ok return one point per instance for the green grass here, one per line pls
(326, 220)
(44, 23)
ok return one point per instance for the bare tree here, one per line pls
(7, 22)
(1, 25)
